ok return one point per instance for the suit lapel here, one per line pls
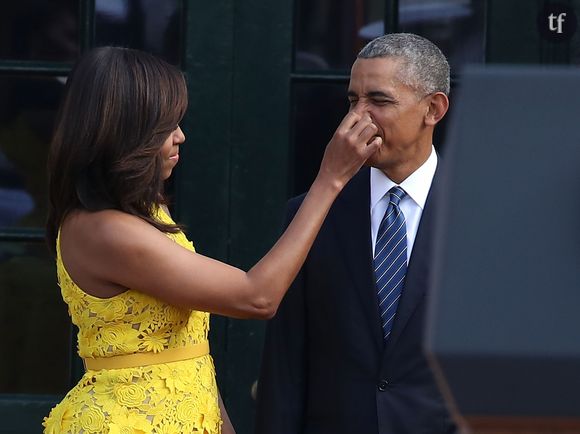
(353, 231)
(417, 278)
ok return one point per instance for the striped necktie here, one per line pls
(390, 261)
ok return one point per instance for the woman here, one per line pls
(135, 287)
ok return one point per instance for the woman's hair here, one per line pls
(119, 106)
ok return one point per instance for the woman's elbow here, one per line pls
(263, 308)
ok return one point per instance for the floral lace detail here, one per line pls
(175, 397)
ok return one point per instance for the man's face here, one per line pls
(397, 110)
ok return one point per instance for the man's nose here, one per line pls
(361, 108)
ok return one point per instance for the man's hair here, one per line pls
(424, 67)
(119, 107)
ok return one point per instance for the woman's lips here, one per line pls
(174, 158)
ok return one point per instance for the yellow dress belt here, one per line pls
(145, 359)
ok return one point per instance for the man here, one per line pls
(344, 353)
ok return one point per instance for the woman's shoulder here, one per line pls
(105, 228)
(99, 218)
(98, 222)
(97, 247)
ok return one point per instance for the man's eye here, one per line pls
(381, 101)
(352, 101)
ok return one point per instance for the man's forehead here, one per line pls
(380, 74)
(378, 64)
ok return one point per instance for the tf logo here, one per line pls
(557, 22)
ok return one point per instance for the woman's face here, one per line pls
(170, 152)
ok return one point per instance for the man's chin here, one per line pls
(368, 164)
(374, 161)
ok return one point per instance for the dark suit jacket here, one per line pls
(325, 369)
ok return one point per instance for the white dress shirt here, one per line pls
(416, 185)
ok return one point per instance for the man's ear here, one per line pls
(438, 106)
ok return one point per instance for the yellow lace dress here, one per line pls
(177, 397)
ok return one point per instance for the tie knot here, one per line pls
(396, 194)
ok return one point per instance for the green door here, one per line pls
(38, 42)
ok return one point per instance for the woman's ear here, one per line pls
(438, 106)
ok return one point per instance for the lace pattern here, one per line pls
(177, 397)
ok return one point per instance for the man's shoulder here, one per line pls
(359, 182)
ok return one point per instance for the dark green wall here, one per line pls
(232, 184)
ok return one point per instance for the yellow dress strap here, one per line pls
(145, 359)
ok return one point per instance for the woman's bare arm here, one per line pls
(114, 250)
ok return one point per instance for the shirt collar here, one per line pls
(416, 185)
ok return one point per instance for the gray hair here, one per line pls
(424, 68)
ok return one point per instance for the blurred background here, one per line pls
(267, 87)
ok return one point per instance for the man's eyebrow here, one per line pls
(379, 94)
(371, 94)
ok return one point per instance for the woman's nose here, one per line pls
(180, 137)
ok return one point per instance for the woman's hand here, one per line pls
(351, 145)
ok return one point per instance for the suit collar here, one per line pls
(418, 273)
(351, 221)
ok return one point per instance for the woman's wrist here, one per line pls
(329, 183)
